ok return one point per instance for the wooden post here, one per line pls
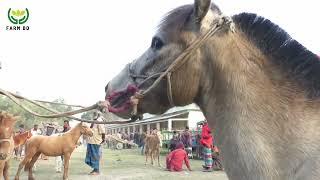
(158, 126)
(169, 124)
(148, 128)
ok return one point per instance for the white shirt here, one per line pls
(35, 132)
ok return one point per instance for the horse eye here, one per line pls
(156, 43)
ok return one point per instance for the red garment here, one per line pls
(175, 160)
(206, 137)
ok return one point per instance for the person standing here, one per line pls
(93, 154)
(21, 148)
(186, 138)
(136, 137)
(59, 159)
(174, 141)
(66, 126)
(206, 142)
(35, 131)
(142, 141)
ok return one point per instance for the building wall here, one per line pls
(164, 125)
(179, 125)
(192, 118)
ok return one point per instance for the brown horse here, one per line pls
(152, 148)
(7, 123)
(257, 86)
(52, 146)
(21, 139)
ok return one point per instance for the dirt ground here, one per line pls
(117, 165)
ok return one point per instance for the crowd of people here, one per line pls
(180, 147)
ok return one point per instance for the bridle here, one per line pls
(222, 22)
(6, 140)
(10, 141)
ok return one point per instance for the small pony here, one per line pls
(20, 140)
(62, 145)
(152, 148)
(7, 123)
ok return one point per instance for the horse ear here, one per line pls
(201, 8)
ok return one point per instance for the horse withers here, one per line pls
(7, 123)
(62, 145)
(257, 87)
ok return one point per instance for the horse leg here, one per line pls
(66, 158)
(26, 159)
(6, 170)
(2, 164)
(31, 164)
(158, 154)
(146, 158)
(152, 157)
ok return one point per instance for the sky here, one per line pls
(74, 47)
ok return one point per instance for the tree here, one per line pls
(28, 119)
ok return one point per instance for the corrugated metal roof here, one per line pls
(174, 109)
(177, 111)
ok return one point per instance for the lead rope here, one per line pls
(169, 89)
(68, 114)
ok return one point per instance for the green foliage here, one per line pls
(28, 119)
(87, 115)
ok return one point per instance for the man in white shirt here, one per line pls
(35, 131)
(93, 155)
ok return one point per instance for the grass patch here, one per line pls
(122, 165)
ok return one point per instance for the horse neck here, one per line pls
(74, 134)
(238, 94)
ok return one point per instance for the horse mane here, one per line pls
(276, 44)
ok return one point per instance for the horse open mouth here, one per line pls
(120, 101)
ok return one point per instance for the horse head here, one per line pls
(85, 130)
(177, 31)
(7, 123)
